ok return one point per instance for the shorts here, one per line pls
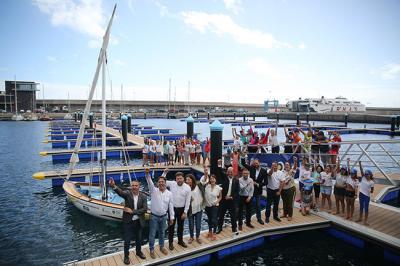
(327, 190)
(159, 154)
(339, 191)
(350, 194)
(151, 153)
(317, 189)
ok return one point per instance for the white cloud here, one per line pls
(84, 16)
(302, 46)
(233, 5)
(223, 24)
(51, 58)
(390, 71)
(163, 9)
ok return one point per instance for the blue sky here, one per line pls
(229, 50)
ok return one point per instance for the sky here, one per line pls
(212, 50)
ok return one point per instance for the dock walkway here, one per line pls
(383, 228)
(224, 240)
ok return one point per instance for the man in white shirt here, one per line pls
(161, 205)
(246, 191)
(276, 180)
(181, 195)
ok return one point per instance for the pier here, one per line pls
(383, 230)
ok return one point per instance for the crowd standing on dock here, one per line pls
(239, 186)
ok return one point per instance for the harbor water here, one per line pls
(39, 227)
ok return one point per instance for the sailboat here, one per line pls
(68, 116)
(16, 116)
(95, 199)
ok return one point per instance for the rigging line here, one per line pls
(91, 160)
(127, 159)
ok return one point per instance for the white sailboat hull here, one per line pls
(93, 207)
(17, 118)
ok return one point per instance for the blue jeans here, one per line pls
(212, 213)
(364, 202)
(157, 224)
(195, 218)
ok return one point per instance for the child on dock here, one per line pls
(351, 193)
(340, 186)
(306, 198)
(366, 188)
(145, 152)
(326, 186)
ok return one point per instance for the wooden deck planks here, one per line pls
(117, 259)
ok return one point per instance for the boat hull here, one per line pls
(93, 207)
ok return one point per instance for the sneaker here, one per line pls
(260, 221)
(266, 220)
(127, 261)
(163, 251)
(277, 219)
(152, 254)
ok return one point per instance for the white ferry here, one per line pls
(325, 105)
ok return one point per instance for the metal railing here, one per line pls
(356, 149)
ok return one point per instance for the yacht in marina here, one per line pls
(325, 105)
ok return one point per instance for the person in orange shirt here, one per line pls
(296, 140)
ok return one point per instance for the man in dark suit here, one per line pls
(260, 177)
(230, 196)
(132, 217)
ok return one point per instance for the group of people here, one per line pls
(237, 187)
(297, 141)
(186, 151)
(347, 187)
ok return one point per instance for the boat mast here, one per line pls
(69, 104)
(169, 96)
(74, 156)
(15, 91)
(103, 184)
(122, 103)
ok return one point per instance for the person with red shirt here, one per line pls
(334, 151)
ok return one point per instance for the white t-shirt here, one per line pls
(159, 148)
(289, 179)
(326, 179)
(304, 174)
(145, 149)
(171, 149)
(340, 180)
(365, 186)
(352, 182)
(211, 195)
(273, 140)
(274, 181)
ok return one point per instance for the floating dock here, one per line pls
(225, 245)
(383, 231)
